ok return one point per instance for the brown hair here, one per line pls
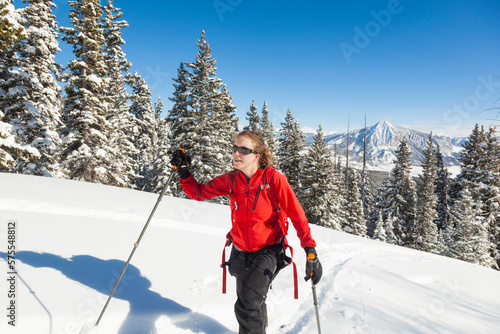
(260, 146)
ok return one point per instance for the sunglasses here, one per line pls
(243, 150)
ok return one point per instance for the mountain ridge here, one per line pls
(382, 141)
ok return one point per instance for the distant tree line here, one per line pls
(103, 127)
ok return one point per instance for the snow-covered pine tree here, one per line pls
(180, 116)
(381, 225)
(181, 121)
(318, 195)
(491, 193)
(85, 152)
(479, 170)
(161, 168)
(426, 231)
(379, 230)
(214, 117)
(384, 230)
(223, 121)
(267, 131)
(38, 117)
(472, 163)
(291, 143)
(203, 86)
(355, 220)
(442, 188)
(468, 240)
(146, 140)
(402, 197)
(11, 32)
(123, 124)
(229, 121)
(13, 83)
(253, 118)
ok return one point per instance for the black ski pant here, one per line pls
(254, 273)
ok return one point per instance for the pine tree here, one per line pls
(11, 94)
(291, 143)
(384, 230)
(85, 152)
(38, 119)
(480, 171)
(211, 133)
(468, 239)
(355, 222)
(318, 196)
(379, 231)
(442, 192)
(181, 120)
(123, 124)
(224, 125)
(426, 232)
(491, 193)
(230, 120)
(402, 196)
(146, 141)
(267, 131)
(204, 85)
(253, 118)
(472, 162)
(14, 83)
(381, 217)
(161, 168)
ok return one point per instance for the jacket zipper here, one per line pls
(256, 198)
(248, 225)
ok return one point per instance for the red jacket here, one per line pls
(254, 219)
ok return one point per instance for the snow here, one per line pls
(73, 238)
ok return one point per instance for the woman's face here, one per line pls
(247, 163)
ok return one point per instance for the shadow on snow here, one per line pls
(146, 306)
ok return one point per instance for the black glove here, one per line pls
(180, 162)
(313, 266)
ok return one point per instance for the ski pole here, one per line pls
(315, 299)
(136, 244)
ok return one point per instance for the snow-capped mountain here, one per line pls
(383, 139)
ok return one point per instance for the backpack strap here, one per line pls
(282, 218)
(224, 263)
(283, 221)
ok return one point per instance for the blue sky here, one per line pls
(427, 65)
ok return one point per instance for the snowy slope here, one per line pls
(73, 238)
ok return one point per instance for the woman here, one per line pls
(257, 193)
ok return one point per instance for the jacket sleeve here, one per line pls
(218, 186)
(290, 204)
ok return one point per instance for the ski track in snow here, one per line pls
(327, 292)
